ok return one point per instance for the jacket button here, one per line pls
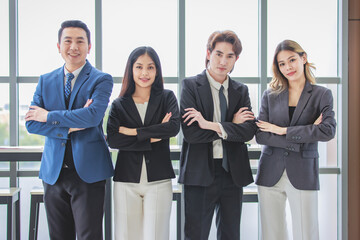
(63, 144)
(147, 161)
(286, 154)
(59, 135)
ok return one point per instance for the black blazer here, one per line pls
(297, 151)
(132, 148)
(197, 163)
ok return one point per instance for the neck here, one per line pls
(218, 78)
(71, 68)
(141, 95)
(297, 85)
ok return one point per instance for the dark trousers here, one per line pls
(74, 207)
(224, 197)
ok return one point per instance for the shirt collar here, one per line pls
(76, 72)
(216, 84)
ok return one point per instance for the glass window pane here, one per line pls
(314, 28)
(328, 150)
(39, 22)
(240, 16)
(4, 114)
(26, 92)
(130, 24)
(27, 184)
(4, 39)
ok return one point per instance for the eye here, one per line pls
(138, 67)
(281, 64)
(151, 67)
(292, 60)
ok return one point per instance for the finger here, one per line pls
(190, 109)
(186, 114)
(192, 120)
(188, 118)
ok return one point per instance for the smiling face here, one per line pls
(74, 47)
(291, 65)
(144, 72)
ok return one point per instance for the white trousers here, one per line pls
(142, 210)
(303, 206)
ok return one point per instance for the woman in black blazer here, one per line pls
(295, 114)
(141, 121)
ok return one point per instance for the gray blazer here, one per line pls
(297, 151)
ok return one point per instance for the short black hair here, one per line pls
(74, 23)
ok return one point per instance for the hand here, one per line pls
(193, 115)
(128, 131)
(75, 129)
(268, 127)
(88, 103)
(167, 118)
(243, 115)
(153, 140)
(36, 114)
(318, 120)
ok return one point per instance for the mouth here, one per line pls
(73, 54)
(222, 69)
(291, 73)
(144, 79)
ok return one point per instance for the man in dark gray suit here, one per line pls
(217, 120)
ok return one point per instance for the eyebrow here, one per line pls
(142, 64)
(82, 38)
(287, 58)
(229, 54)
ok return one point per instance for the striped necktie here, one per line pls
(67, 90)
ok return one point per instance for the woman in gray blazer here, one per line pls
(295, 114)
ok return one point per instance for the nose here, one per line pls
(144, 72)
(223, 60)
(74, 46)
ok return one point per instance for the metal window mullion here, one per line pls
(262, 46)
(98, 34)
(181, 51)
(342, 195)
(13, 86)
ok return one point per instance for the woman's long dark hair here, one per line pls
(128, 83)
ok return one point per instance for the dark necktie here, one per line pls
(67, 90)
(223, 109)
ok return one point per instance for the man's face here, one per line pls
(221, 60)
(74, 47)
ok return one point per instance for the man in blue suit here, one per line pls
(67, 108)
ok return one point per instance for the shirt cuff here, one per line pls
(223, 134)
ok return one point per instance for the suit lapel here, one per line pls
(154, 102)
(205, 96)
(131, 109)
(81, 79)
(304, 98)
(234, 97)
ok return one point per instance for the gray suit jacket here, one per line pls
(297, 151)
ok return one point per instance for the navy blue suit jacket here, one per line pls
(90, 152)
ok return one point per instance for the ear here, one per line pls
(304, 58)
(89, 48)
(208, 53)
(58, 46)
